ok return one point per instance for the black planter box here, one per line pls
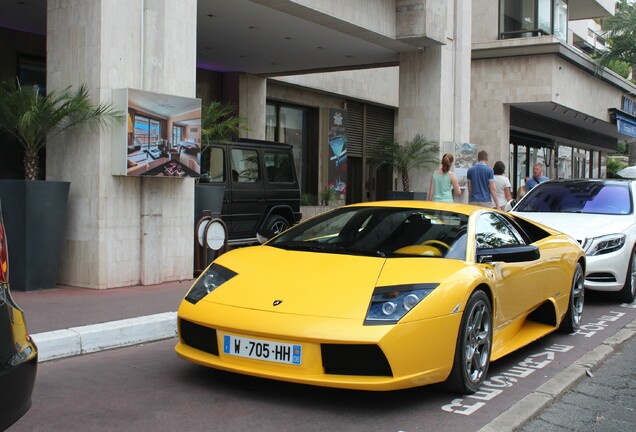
(35, 219)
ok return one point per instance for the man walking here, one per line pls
(481, 183)
(537, 176)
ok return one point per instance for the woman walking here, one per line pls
(502, 184)
(443, 182)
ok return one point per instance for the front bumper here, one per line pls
(607, 272)
(336, 352)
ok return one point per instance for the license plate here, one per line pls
(262, 350)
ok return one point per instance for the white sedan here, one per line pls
(599, 214)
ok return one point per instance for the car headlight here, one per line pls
(211, 279)
(604, 244)
(390, 303)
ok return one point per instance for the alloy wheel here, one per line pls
(477, 342)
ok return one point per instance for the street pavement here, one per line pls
(595, 393)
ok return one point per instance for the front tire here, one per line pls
(628, 292)
(474, 343)
(572, 320)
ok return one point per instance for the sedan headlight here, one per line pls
(604, 244)
(390, 303)
(211, 279)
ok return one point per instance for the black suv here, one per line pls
(258, 185)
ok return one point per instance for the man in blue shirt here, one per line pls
(537, 177)
(481, 183)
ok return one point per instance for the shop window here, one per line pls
(564, 167)
(295, 125)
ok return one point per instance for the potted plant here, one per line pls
(35, 211)
(416, 153)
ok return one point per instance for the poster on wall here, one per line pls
(465, 157)
(161, 136)
(338, 150)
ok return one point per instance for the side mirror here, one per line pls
(508, 254)
(510, 204)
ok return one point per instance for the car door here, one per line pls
(248, 200)
(518, 285)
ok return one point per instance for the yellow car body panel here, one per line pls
(312, 299)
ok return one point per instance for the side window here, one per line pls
(278, 167)
(245, 167)
(494, 232)
(217, 167)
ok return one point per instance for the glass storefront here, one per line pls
(560, 162)
(289, 124)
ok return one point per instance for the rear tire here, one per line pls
(628, 292)
(474, 343)
(572, 320)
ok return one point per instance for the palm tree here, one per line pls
(621, 36)
(32, 118)
(417, 153)
(218, 122)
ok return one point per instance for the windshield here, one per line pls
(578, 197)
(380, 231)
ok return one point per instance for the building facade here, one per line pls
(464, 76)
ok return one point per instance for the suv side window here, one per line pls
(245, 168)
(217, 167)
(278, 167)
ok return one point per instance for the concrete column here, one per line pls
(435, 89)
(249, 94)
(121, 231)
(253, 104)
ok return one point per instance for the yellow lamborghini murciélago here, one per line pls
(383, 296)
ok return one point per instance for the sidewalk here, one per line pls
(68, 321)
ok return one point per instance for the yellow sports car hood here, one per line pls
(318, 284)
(301, 283)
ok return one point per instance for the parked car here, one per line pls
(383, 296)
(18, 353)
(258, 184)
(599, 214)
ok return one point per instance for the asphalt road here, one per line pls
(148, 388)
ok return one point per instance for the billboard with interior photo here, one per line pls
(161, 136)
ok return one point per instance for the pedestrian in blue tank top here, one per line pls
(481, 183)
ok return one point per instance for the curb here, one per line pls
(74, 341)
(528, 407)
